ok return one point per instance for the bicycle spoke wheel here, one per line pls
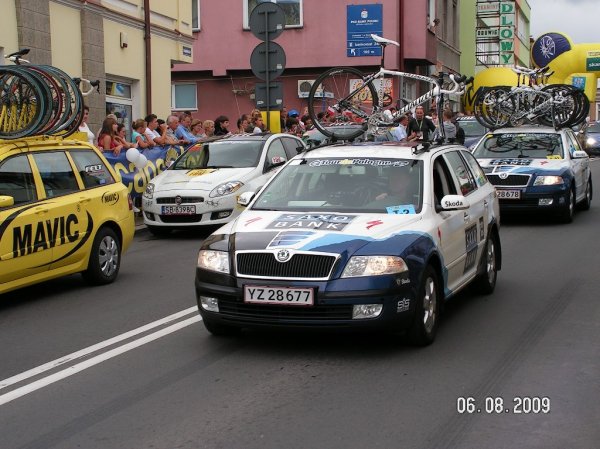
(494, 106)
(24, 102)
(341, 97)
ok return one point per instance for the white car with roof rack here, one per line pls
(537, 169)
(201, 187)
(354, 236)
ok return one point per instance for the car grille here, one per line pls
(184, 200)
(510, 180)
(242, 310)
(181, 218)
(303, 266)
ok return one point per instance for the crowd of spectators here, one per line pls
(182, 129)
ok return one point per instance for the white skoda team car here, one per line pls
(201, 187)
(372, 236)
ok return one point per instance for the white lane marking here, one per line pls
(73, 369)
(90, 349)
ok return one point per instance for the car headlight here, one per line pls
(373, 266)
(590, 141)
(149, 192)
(226, 188)
(548, 181)
(213, 260)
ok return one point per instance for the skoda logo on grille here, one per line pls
(283, 255)
(178, 200)
(503, 175)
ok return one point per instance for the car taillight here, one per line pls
(130, 201)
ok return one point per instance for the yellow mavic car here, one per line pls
(63, 210)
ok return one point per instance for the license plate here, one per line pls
(282, 296)
(178, 210)
(508, 194)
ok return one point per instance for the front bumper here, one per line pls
(209, 212)
(334, 301)
(549, 199)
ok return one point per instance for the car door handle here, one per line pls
(466, 217)
(84, 200)
(41, 210)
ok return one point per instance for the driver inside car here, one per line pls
(399, 189)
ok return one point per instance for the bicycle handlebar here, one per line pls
(93, 84)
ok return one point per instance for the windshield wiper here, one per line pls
(219, 166)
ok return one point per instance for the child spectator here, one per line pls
(138, 136)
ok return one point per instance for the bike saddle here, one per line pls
(383, 41)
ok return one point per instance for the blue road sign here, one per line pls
(363, 20)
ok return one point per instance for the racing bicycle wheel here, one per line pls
(493, 106)
(340, 103)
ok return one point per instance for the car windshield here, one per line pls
(472, 128)
(221, 154)
(368, 185)
(593, 127)
(531, 145)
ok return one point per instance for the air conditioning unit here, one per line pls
(304, 88)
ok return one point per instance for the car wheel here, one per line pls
(425, 322)
(587, 201)
(105, 258)
(159, 231)
(486, 281)
(219, 329)
(568, 211)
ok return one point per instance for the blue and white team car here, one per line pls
(537, 169)
(372, 236)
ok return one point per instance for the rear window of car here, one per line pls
(472, 128)
(521, 145)
(92, 170)
(594, 127)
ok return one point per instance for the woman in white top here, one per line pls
(84, 128)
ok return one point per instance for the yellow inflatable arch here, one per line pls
(575, 64)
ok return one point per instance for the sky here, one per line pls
(578, 19)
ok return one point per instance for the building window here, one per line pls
(195, 15)
(183, 97)
(292, 9)
(119, 101)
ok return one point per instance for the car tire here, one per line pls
(221, 330)
(587, 200)
(158, 231)
(566, 215)
(485, 283)
(425, 321)
(105, 258)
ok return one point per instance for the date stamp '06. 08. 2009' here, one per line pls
(497, 405)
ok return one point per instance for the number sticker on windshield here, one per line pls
(405, 209)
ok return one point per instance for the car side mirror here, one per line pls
(245, 198)
(6, 201)
(454, 202)
(579, 154)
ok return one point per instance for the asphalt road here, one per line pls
(172, 385)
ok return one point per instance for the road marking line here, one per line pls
(74, 369)
(90, 349)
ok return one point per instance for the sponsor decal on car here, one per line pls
(511, 161)
(110, 198)
(471, 246)
(200, 171)
(329, 222)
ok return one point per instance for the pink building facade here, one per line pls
(220, 81)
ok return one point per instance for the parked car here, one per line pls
(537, 169)
(63, 210)
(370, 236)
(474, 130)
(591, 138)
(202, 185)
